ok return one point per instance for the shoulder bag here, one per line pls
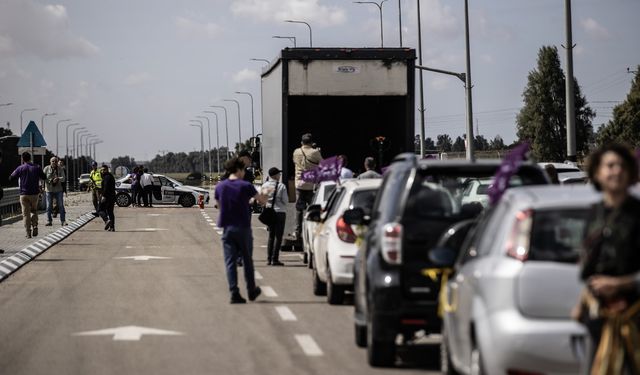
(268, 214)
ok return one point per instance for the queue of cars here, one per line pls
(508, 271)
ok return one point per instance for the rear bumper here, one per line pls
(398, 314)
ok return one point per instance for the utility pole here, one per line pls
(422, 126)
(570, 105)
(400, 20)
(468, 86)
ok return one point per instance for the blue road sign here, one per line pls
(25, 139)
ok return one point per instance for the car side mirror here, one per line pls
(356, 216)
(442, 257)
(314, 213)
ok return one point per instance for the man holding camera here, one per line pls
(54, 180)
(305, 158)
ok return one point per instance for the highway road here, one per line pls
(152, 298)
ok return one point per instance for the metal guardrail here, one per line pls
(10, 203)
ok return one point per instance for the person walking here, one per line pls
(140, 194)
(277, 198)
(610, 266)
(370, 169)
(95, 177)
(305, 158)
(29, 176)
(135, 186)
(55, 178)
(107, 199)
(232, 197)
(147, 188)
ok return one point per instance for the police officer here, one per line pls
(96, 185)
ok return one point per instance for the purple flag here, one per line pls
(509, 167)
(327, 170)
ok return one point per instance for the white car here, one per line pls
(568, 173)
(320, 198)
(477, 191)
(335, 245)
(165, 191)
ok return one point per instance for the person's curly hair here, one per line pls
(233, 165)
(629, 162)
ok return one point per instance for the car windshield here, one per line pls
(328, 189)
(556, 235)
(175, 182)
(364, 199)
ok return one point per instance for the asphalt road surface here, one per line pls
(86, 307)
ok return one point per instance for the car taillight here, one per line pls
(520, 237)
(392, 243)
(345, 233)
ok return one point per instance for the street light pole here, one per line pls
(217, 140)
(57, 138)
(241, 144)
(21, 113)
(400, 20)
(201, 125)
(292, 38)
(422, 125)
(379, 5)
(76, 166)
(570, 96)
(42, 122)
(66, 157)
(253, 129)
(226, 124)
(209, 136)
(262, 60)
(80, 152)
(468, 87)
(309, 26)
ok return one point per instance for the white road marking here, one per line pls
(142, 247)
(210, 220)
(219, 231)
(150, 229)
(263, 246)
(213, 224)
(128, 333)
(286, 314)
(157, 215)
(258, 276)
(143, 257)
(309, 346)
(268, 291)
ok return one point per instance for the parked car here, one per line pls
(476, 191)
(320, 198)
(568, 173)
(515, 281)
(335, 241)
(417, 202)
(165, 191)
(84, 180)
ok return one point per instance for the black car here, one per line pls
(396, 285)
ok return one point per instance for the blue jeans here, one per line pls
(59, 196)
(237, 242)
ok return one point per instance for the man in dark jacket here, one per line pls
(108, 199)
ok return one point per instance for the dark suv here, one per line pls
(396, 286)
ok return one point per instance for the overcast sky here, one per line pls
(135, 71)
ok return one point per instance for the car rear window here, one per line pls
(328, 189)
(364, 199)
(556, 235)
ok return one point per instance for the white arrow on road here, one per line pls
(142, 257)
(128, 333)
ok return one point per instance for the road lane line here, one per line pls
(309, 346)
(268, 291)
(213, 224)
(286, 314)
(219, 231)
(258, 276)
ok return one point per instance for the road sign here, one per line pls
(129, 333)
(31, 137)
(33, 151)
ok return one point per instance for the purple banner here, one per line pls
(327, 170)
(509, 167)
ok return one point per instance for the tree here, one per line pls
(542, 120)
(5, 132)
(429, 144)
(444, 143)
(458, 145)
(123, 161)
(481, 143)
(625, 125)
(497, 144)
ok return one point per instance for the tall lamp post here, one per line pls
(261, 60)
(200, 125)
(94, 148)
(87, 147)
(253, 129)
(209, 136)
(217, 140)
(309, 26)
(291, 38)
(66, 157)
(21, 113)
(57, 138)
(379, 5)
(400, 20)
(226, 124)
(468, 87)
(240, 144)
(76, 140)
(42, 122)
(81, 150)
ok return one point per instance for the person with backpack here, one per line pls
(305, 158)
(277, 201)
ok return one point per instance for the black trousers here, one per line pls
(305, 197)
(275, 237)
(147, 195)
(105, 210)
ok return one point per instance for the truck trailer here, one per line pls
(356, 102)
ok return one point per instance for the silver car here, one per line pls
(507, 304)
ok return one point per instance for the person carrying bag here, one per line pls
(274, 216)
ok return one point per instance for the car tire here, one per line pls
(361, 335)
(187, 200)
(446, 367)
(380, 352)
(123, 200)
(335, 293)
(319, 288)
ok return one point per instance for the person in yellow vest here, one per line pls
(96, 185)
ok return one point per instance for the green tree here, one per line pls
(458, 145)
(444, 143)
(481, 143)
(625, 125)
(542, 120)
(123, 161)
(497, 144)
(429, 144)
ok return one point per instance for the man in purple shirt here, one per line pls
(232, 197)
(29, 176)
